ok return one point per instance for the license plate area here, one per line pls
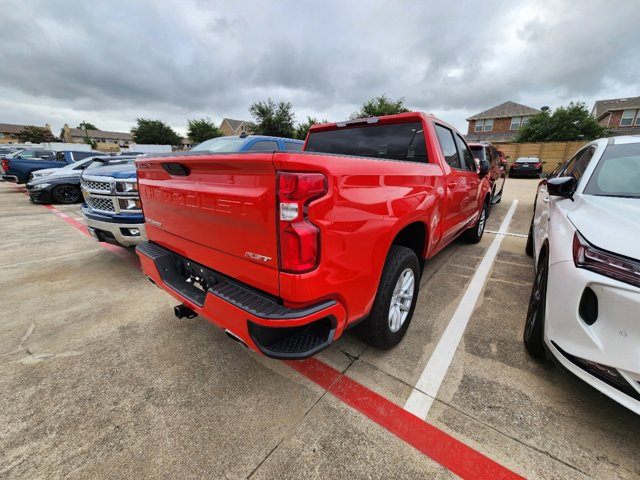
(188, 278)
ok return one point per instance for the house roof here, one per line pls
(11, 128)
(505, 110)
(78, 132)
(234, 124)
(601, 107)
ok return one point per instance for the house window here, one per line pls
(515, 123)
(484, 125)
(627, 118)
(637, 124)
(525, 120)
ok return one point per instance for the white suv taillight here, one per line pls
(608, 264)
(299, 239)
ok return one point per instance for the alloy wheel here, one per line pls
(401, 299)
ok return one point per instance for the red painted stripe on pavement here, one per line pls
(430, 440)
(121, 252)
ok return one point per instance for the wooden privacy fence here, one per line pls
(550, 152)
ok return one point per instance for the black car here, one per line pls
(526, 167)
(64, 187)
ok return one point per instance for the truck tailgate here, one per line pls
(218, 208)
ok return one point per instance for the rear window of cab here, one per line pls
(399, 141)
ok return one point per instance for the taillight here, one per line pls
(537, 165)
(5, 165)
(608, 264)
(299, 238)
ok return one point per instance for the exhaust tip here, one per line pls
(182, 311)
(235, 338)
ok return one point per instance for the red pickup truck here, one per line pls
(287, 250)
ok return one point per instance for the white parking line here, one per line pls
(519, 235)
(421, 398)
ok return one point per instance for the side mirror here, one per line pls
(485, 166)
(562, 187)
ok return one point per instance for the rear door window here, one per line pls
(468, 162)
(448, 147)
(399, 141)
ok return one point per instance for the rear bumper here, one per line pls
(525, 173)
(256, 318)
(116, 233)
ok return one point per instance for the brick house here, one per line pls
(500, 123)
(621, 115)
(234, 127)
(9, 132)
(105, 141)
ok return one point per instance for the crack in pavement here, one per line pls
(32, 357)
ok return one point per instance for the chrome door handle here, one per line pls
(546, 200)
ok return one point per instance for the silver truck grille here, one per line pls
(102, 204)
(96, 186)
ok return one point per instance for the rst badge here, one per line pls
(255, 256)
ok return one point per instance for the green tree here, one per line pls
(31, 133)
(154, 132)
(87, 126)
(379, 106)
(569, 123)
(272, 119)
(200, 130)
(303, 128)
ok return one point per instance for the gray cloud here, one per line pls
(112, 61)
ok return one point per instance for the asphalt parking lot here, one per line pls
(99, 380)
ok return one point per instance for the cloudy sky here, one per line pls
(109, 62)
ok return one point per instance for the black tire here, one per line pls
(474, 234)
(66, 194)
(376, 329)
(533, 336)
(528, 249)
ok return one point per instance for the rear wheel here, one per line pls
(66, 194)
(474, 234)
(395, 300)
(534, 326)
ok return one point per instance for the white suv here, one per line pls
(585, 238)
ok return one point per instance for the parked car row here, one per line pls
(62, 185)
(20, 166)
